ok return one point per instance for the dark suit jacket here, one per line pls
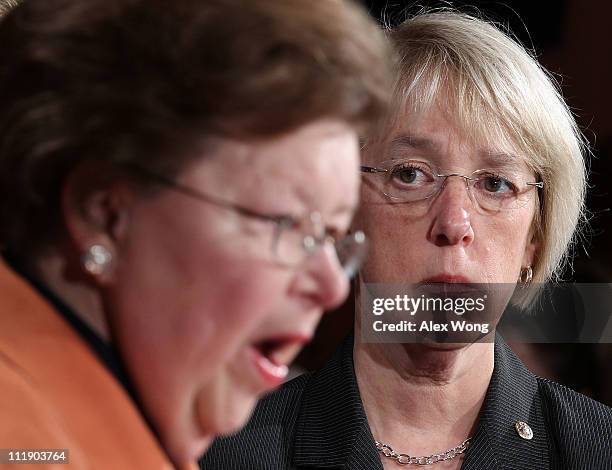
(318, 421)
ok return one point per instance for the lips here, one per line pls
(449, 285)
(273, 355)
(272, 373)
(446, 278)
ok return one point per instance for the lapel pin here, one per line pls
(524, 430)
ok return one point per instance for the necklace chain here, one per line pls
(405, 459)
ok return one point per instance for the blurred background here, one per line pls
(573, 40)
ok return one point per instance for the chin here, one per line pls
(212, 419)
(238, 419)
(446, 346)
(185, 448)
(197, 449)
(225, 415)
(433, 347)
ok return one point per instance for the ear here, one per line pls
(96, 205)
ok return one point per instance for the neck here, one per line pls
(73, 289)
(422, 399)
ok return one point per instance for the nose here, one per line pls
(323, 280)
(451, 211)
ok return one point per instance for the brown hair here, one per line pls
(142, 81)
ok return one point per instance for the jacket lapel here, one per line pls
(512, 396)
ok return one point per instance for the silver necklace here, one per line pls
(405, 459)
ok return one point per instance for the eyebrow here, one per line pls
(502, 160)
(415, 142)
(490, 158)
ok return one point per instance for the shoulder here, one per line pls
(579, 425)
(55, 393)
(572, 406)
(29, 419)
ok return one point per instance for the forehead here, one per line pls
(445, 139)
(309, 168)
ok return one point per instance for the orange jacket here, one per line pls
(55, 393)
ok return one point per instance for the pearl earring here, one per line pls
(96, 259)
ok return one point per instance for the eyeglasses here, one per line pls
(293, 239)
(492, 191)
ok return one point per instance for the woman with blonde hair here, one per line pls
(477, 178)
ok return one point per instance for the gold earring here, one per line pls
(526, 276)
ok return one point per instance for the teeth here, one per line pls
(279, 371)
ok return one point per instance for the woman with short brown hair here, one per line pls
(178, 179)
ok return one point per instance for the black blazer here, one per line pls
(317, 421)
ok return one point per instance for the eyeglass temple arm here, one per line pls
(278, 219)
(539, 184)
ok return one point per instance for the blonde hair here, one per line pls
(7, 5)
(496, 91)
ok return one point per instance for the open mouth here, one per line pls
(273, 356)
(281, 350)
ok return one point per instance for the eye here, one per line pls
(410, 174)
(496, 184)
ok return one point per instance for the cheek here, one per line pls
(394, 237)
(180, 268)
(501, 246)
(196, 318)
(184, 275)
